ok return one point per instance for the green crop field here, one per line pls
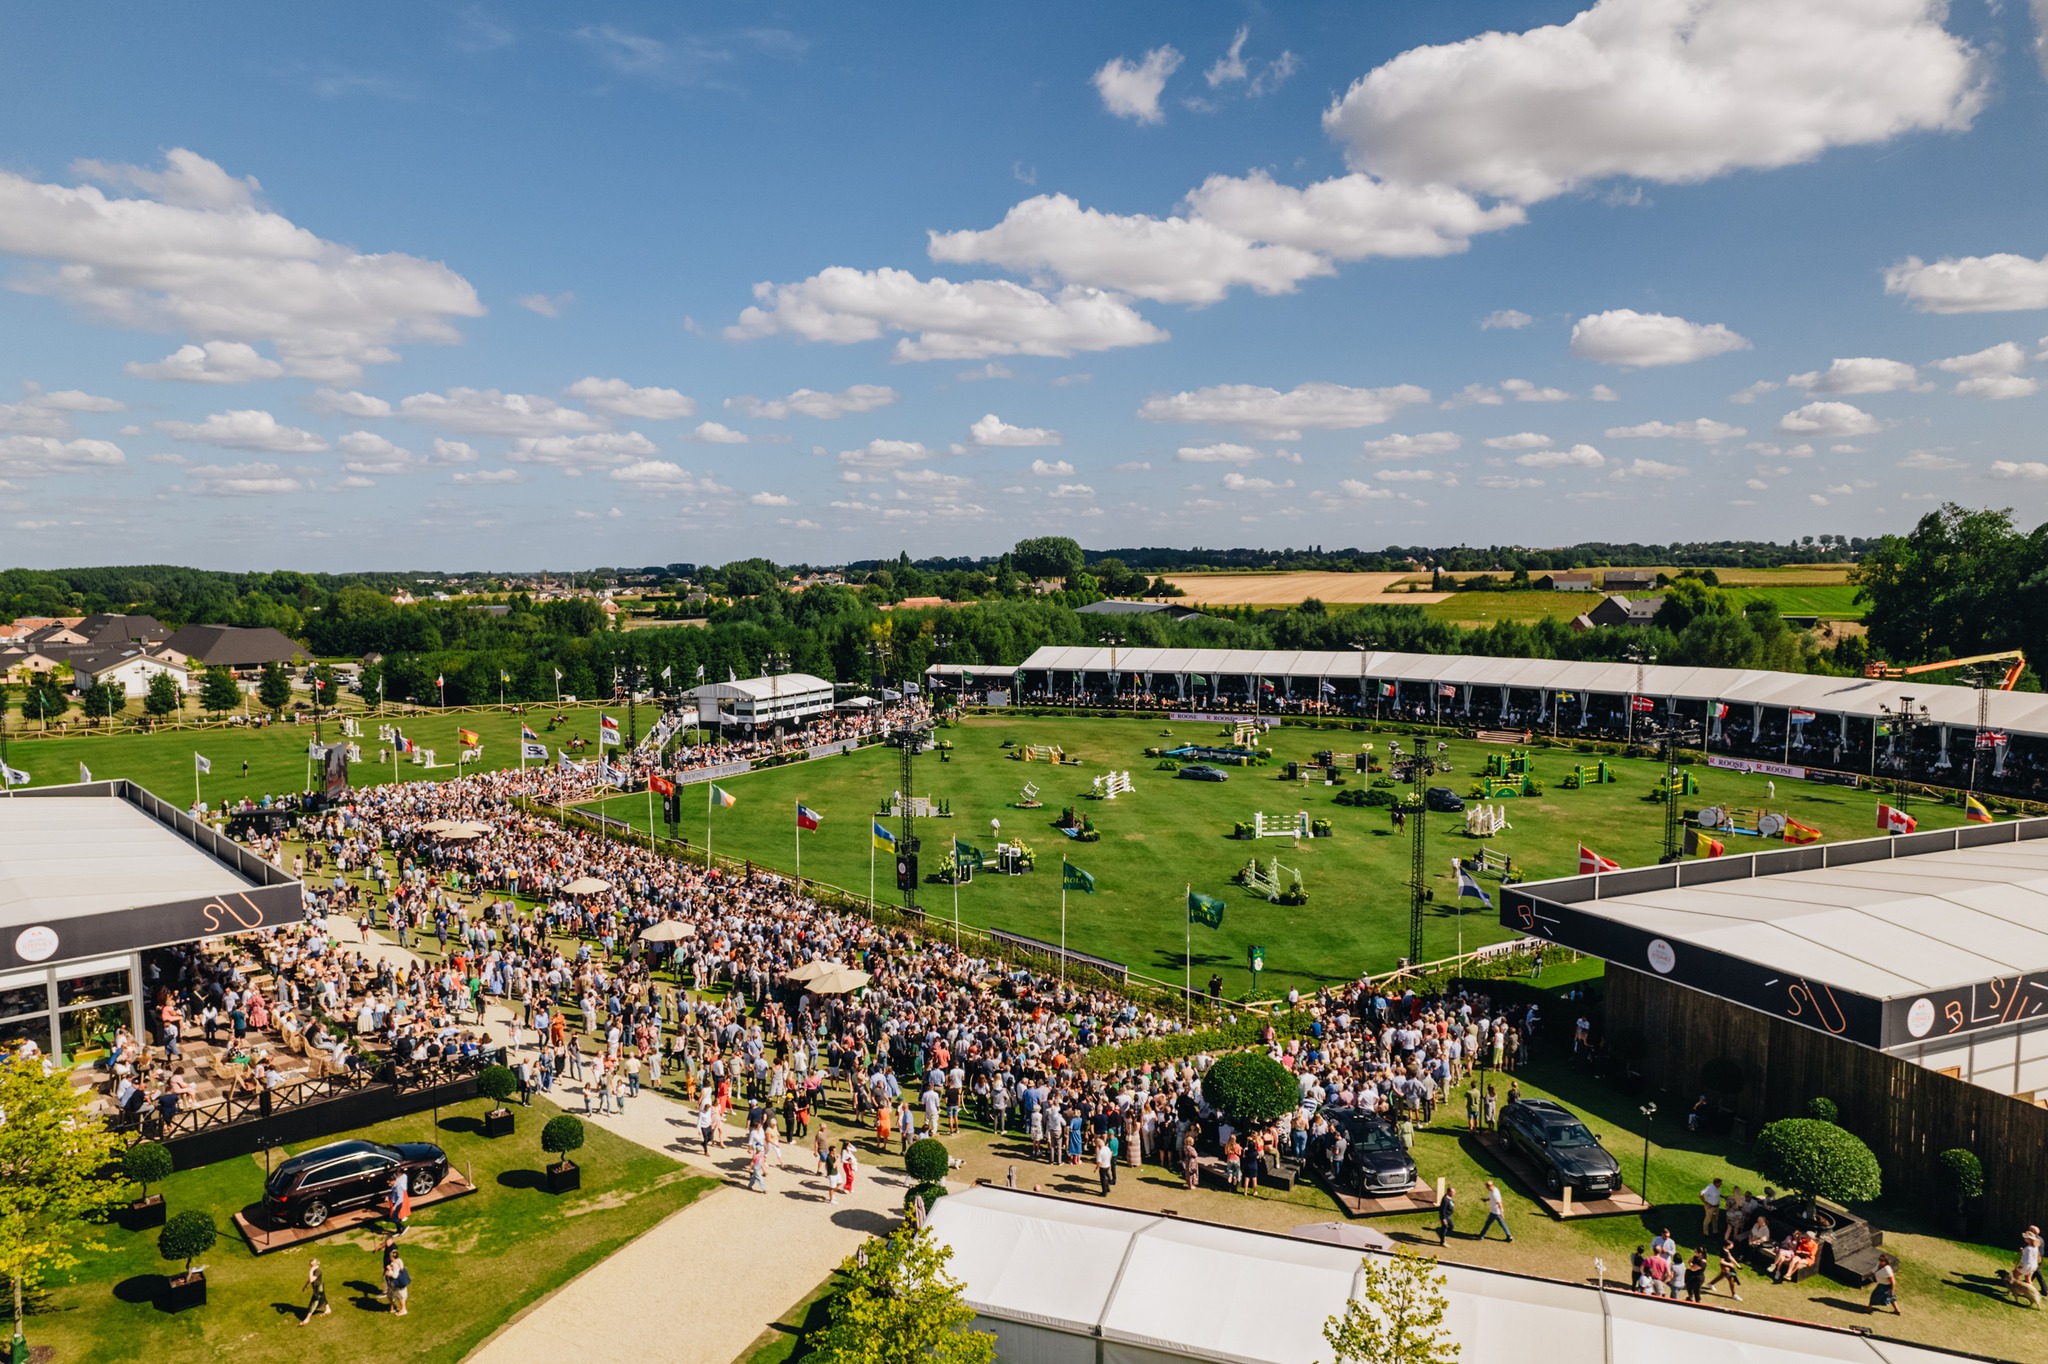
(1169, 833)
(1834, 601)
(1491, 608)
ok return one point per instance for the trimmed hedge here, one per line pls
(1818, 1159)
(562, 1135)
(926, 1161)
(1252, 1086)
(1244, 1032)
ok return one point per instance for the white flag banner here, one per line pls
(84, 772)
(13, 776)
(202, 763)
(534, 752)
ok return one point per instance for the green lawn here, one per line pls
(1831, 601)
(1169, 833)
(1475, 609)
(475, 1261)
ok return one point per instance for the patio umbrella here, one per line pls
(1344, 1234)
(840, 980)
(436, 826)
(586, 885)
(811, 970)
(471, 827)
(459, 834)
(668, 930)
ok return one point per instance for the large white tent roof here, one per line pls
(79, 855)
(1067, 1281)
(762, 688)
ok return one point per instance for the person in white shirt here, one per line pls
(1494, 1214)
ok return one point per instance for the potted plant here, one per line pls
(497, 1083)
(1251, 1087)
(185, 1237)
(926, 1162)
(561, 1136)
(146, 1163)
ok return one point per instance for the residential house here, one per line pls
(234, 647)
(128, 667)
(1626, 580)
(1578, 580)
(1620, 611)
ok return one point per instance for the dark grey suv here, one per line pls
(1375, 1163)
(1563, 1150)
(308, 1189)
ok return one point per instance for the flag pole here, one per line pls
(956, 895)
(707, 826)
(1187, 989)
(650, 815)
(799, 850)
(871, 872)
(1063, 922)
(195, 782)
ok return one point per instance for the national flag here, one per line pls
(1264, 685)
(722, 798)
(1198, 680)
(1073, 878)
(806, 818)
(84, 772)
(2012, 674)
(504, 676)
(440, 681)
(1591, 862)
(1795, 832)
(1387, 690)
(1883, 730)
(1446, 689)
(1698, 844)
(469, 737)
(13, 776)
(526, 733)
(1467, 885)
(607, 730)
(1329, 689)
(1991, 738)
(532, 752)
(1895, 821)
(966, 855)
(1641, 705)
(883, 839)
(660, 785)
(1717, 711)
(1565, 696)
(1799, 717)
(405, 745)
(199, 761)
(1975, 811)
(1206, 910)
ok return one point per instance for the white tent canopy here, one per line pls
(1064, 1282)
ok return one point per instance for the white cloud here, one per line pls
(1699, 428)
(1057, 468)
(1225, 453)
(1522, 391)
(26, 456)
(1349, 217)
(49, 414)
(547, 305)
(718, 433)
(617, 398)
(1131, 90)
(201, 257)
(1624, 336)
(367, 453)
(1473, 395)
(1134, 466)
(348, 403)
(983, 372)
(2033, 471)
(1999, 283)
(1601, 393)
(1413, 447)
(1998, 386)
(809, 402)
(575, 452)
(246, 429)
(488, 412)
(1283, 416)
(1578, 457)
(1830, 419)
(1862, 374)
(487, 478)
(1412, 476)
(1755, 391)
(1229, 67)
(1510, 319)
(1506, 482)
(660, 475)
(1648, 468)
(1930, 462)
(454, 451)
(1521, 440)
(241, 480)
(1662, 90)
(971, 320)
(1072, 490)
(993, 430)
(72, 400)
(1244, 483)
(1364, 492)
(216, 362)
(879, 457)
(772, 500)
(2004, 358)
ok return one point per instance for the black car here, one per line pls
(308, 1189)
(1198, 772)
(1565, 1153)
(1374, 1163)
(1443, 798)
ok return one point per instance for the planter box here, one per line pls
(498, 1123)
(144, 1213)
(564, 1177)
(186, 1290)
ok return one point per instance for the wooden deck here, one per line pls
(1421, 1197)
(1624, 1201)
(263, 1238)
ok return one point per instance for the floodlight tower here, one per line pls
(1904, 719)
(1418, 894)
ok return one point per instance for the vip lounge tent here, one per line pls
(1065, 1282)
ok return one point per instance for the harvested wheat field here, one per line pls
(1289, 589)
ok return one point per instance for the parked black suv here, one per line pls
(1561, 1148)
(1443, 799)
(308, 1189)
(1375, 1163)
(1201, 772)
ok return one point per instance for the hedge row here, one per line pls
(1233, 1036)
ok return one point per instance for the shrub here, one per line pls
(1319, 828)
(1961, 1174)
(497, 1083)
(926, 1160)
(1251, 1087)
(187, 1236)
(928, 1194)
(1241, 830)
(1294, 894)
(147, 1163)
(1818, 1159)
(1822, 1109)
(562, 1135)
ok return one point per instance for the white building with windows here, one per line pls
(763, 702)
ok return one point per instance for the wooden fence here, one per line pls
(1906, 1113)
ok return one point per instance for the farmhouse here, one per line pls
(1628, 580)
(233, 647)
(1571, 581)
(1619, 611)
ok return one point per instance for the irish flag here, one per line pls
(722, 798)
(1895, 821)
(1591, 862)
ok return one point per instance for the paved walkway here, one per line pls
(701, 1286)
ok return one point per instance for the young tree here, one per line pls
(274, 688)
(1818, 1159)
(45, 700)
(104, 700)
(218, 694)
(899, 1305)
(1398, 1315)
(164, 696)
(53, 1155)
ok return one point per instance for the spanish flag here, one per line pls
(468, 737)
(1974, 811)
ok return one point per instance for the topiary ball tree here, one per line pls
(562, 1135)
(1251, 1087)
(1823, 1109)
(1960, 1174)
(147, 1163)
(926, 1161)
(497, 1083)
(1818, 1159)
(187, 1236)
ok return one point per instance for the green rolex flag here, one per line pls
(1073, 878)
(1206, 910)
(1199, 680)
(966, 855)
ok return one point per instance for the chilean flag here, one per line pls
(1591, 862)
(806, 818)
(1895, 821)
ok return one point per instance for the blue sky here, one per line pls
(517, 286)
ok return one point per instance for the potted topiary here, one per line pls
(1819, 1160)
(497, 1083)
(1961, 1177)
(1251, 1087)
(926, 1162)
(146, 1163)
(185, 1237)
(561, 1136)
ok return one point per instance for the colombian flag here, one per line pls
(1974, 811)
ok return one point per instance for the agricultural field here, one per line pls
(1477, 609)
(1291, 589)
(1170, 833)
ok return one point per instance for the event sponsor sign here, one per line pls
(1750, 765)
(129, 930)
(1199, 717)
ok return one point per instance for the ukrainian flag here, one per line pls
(884, 840)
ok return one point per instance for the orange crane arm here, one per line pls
(2012, 673)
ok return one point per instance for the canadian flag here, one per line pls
(1590, 862)
(1895, 821)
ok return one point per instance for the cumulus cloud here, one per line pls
(1601, 393)
(970, 320)
(1830, 419)
(1072, 490)
(1362, 491)
(1413, 476)
(547, 305)
(1755, 391)
(49, 414)
(1225, 453)
(718, 433)
(1245, 483)
(993, 430)
(1522, 391)
(617, 398)
(809, 402)
(577, 452)
(240, 480)
(246, 429)
(1509, 319)
(348, 403)
(1506, 482)
(772, 500)
(1131, 89)
(1993, 372)
(2000, 283)
(1521, 440)
(1699, 428)
(1413, 447)
(1862, 374)
(488, 412)
(1624, 336)
(487, 478)
(27, 456)
(1648, 468)
(1930, 462)
(195, 253)
(1283, 416)
(1057, 468)
(1578, 457)
(663, 476)
(1659, 90)
(2031, 471)
(216, 362)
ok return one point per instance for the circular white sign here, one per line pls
(1662, 957)
(36, 944)
(1920, 1018)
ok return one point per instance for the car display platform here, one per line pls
(263, 1238)
(1623, 1201)
(1420, 1197)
